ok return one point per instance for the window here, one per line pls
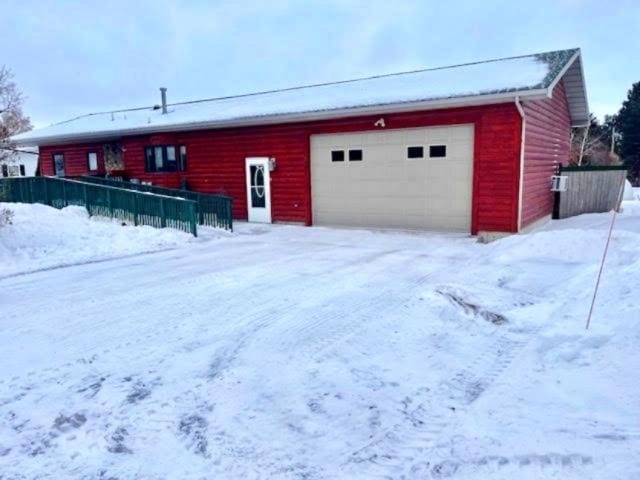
(355, 155)
(415, 152)
(92, 161)
(158, 163)
(170, 157)
(437, 151)
(337, 155)
(22, 171)
(164, 158)
(182, 166)
(5, 170)
(58, 164)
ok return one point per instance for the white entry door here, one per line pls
(258, 189)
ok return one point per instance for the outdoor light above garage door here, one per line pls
(272, 164)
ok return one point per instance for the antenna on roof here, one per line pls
(163, 94)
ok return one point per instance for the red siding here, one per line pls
(216, 160)
(547, 143)
(75, 158)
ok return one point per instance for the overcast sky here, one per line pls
(71, 58)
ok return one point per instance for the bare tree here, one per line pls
(593, 145)
(12, 119)
(12, 122)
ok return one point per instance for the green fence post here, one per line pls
(109, 203)
(46, 191)
(135, 209)
(86, 198)
(194, 220)
(163, 219)
(64, 194)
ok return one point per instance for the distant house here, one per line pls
(22, 162)
(466, 148)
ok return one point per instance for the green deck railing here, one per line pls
(139, 208)
(213, 210)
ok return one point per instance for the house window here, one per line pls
(415, 152)
(182, 166)
(164, 158)
(22, 171)
(337, 155)
(5, 170)
(437, 151)
(92, 161)
(158, 162)
(170, 156)
(355, 155)
(58, 164)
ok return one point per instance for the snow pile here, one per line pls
(289, 352)
(44, 237)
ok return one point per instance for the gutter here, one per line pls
(475, 100)
(521, 180)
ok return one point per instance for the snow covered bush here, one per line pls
(5, 216)
(5, 213)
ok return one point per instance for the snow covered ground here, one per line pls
(290, 352)
(42, 237)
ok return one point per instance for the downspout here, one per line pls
(521, 180)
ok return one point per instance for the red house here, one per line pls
(465, 148)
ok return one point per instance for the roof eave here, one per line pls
(575, 121)
(457, 102)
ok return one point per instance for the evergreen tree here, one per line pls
(628, 126)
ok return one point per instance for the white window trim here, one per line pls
(345, 159)
(416, 159)
(446, 152)
(346, 155)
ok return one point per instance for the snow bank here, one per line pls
(45, 237)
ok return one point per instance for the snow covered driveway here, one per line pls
(292, 352)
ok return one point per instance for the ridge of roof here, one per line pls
(542, 55)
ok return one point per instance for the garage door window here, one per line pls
(355, 155)
(415, 152)
(437, 151)
(337, 155)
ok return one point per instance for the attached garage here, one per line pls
(409, 178)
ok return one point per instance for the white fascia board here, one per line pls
(584, 88)
(458, 102)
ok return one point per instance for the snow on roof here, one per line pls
(524, 75)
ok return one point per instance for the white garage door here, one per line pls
(409, 178)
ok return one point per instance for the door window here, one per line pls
(258, 197)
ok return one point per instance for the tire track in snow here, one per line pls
(396, 451)
(330, 325)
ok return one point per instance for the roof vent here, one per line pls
(163, 94)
